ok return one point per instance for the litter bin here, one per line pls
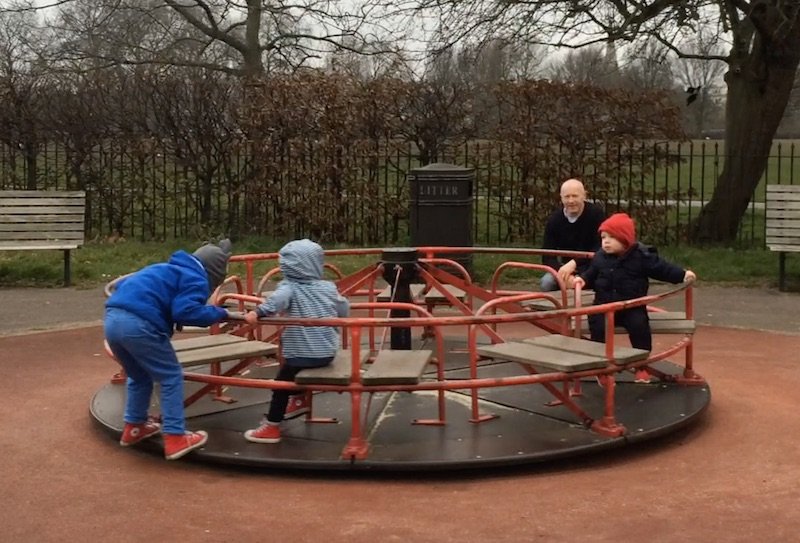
(441, 208)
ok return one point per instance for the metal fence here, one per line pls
(146, 192)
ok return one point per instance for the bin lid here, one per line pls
(447, 170)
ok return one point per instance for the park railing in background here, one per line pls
(142, 190)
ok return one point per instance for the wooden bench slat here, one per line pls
(622, 355)
(782, 204)
(587, 297)
(37, 245)
(40, 210)
(42, 236)
(215, 340)
(792, 222)
(435, 295)
(38, 193)
(397, 368)
(783, 241)
(666, 315)
(61, 218)
(42, 228)
(543, 357)
(784, 248)
(386, 294)
(220, 353)
(677, 326)
(338, 372)
(661, 322)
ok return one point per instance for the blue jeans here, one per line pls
(548, 283)
(147, 356)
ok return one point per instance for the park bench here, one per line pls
(32, 220)
(783, 224)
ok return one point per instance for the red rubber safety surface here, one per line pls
(734, 476)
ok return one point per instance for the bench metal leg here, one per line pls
(67, 271)
(782, 271)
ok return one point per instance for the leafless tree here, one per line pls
(649, 67)
(435, 111)
(239, 37)
(589, 66)
(24, 100)
(369, 62)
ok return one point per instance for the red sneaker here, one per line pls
(642, 376)
(266, 433)
(134, 433)
(178, 445)
(298, 405)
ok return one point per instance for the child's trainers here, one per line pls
(134, 433)
(266, 433)
(298, 405)
(178, 445)
(641, 376)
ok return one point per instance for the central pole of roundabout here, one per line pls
(400, 270)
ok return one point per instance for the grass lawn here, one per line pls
(97, 263)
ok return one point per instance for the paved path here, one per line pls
(26, 310)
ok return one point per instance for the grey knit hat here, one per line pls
(214, 259)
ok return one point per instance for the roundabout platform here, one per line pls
(525, 431)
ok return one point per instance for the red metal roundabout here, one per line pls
(436, 372)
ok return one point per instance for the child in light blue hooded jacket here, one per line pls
(302, 293)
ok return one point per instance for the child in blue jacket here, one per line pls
(140, 318)
(621, 270)
(302, 294)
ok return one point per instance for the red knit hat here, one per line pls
(621, 227)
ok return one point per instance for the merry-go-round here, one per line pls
(435, 372)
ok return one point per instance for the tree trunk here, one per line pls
(759, 85)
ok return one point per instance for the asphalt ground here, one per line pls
(731, 477)
(26, 310)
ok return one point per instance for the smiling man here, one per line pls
(573, 227)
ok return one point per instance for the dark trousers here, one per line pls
(635, 321)
(287, 372)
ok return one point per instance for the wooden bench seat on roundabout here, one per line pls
(388, 368)
(661, 322)
(338, 372)
(431, 298)
(560, 353)
(671, 322)
(416, 293)
(197, 351)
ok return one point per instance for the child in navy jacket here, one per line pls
(140, 318)
(621, 270)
